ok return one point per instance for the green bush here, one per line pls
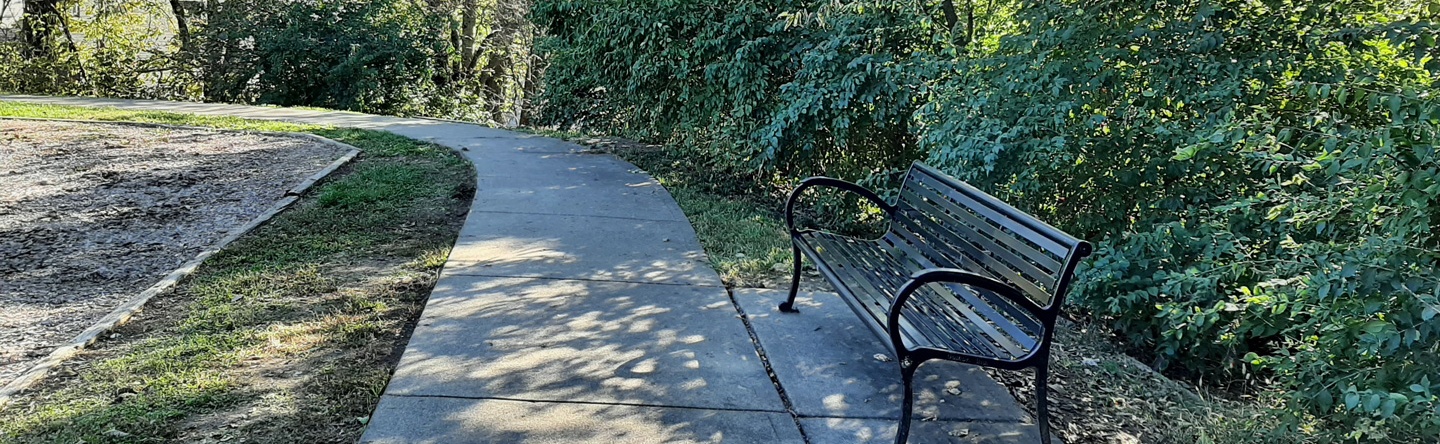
(381, 56)
(750, 86)
(107, 53)
(1262, 179)
(373, 56)
(1259, 176)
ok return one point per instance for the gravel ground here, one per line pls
(92, 214)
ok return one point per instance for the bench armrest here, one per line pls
(832, 183)
(948, 275)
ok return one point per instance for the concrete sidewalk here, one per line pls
(578, 306)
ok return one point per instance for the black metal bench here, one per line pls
(958, 276)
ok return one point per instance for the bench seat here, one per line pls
(958, 275)
(947, 316)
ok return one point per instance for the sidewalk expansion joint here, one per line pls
(531, 213)
(889, 418)
(551, 401)
(769, 370)
(554, 278)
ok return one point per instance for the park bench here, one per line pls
(959, 276)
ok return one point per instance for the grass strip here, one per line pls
(289, 334)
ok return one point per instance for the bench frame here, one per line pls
(910, 358)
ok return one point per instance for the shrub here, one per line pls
(1261, 177)
(439, 58)
(752, 86)
(372, 56)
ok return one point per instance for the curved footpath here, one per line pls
(578, 306)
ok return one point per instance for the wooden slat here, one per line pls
(1016, 226)
(984, 253)
(871, 274)
(1045, 230)
(984, 326)
(979, 257)
(962, 217)
(1022, 336)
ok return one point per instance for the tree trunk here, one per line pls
(38, 23)
(948, 6)
(969, 22)
(468, 54)
(182, 28)
(38, 26)
(496, 71)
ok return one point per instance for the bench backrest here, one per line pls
(953, 224)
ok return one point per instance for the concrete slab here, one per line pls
(580, 247)
(505, 162)
(518, 143)
(568, 340)
(824, 358)
(573, 191)
(401, 419)
(882, 431)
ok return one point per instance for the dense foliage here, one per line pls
(272, 53)
(754, 85)
(448, 58)
(1260, 176)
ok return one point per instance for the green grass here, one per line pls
(747, 244)
(289, 334)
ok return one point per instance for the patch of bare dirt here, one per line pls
(1100, 395)
(91, 214)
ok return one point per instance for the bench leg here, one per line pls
(907, 377)
(1042, 403)
(789, 305)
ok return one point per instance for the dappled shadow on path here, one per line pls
(450, 420)
(572, 340)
